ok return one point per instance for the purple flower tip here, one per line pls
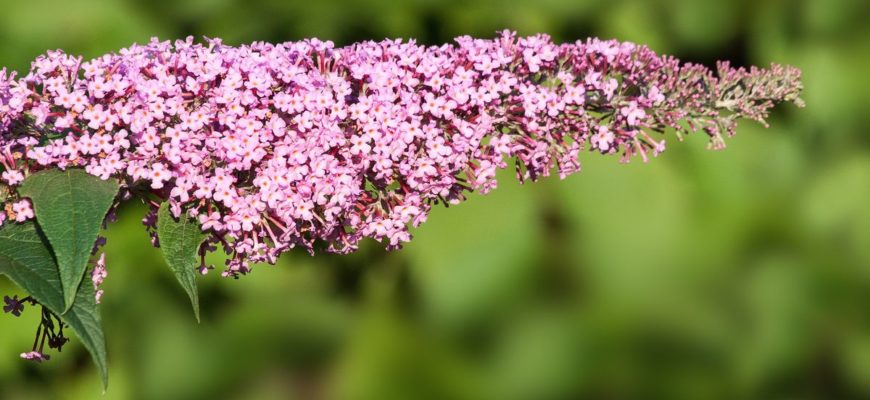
(13, 305)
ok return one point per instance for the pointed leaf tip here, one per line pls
(179, 242)
(70, 207)
(25, 257)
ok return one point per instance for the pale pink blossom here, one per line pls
(272, 147)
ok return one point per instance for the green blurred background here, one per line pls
(741, 274)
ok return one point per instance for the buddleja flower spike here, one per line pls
(262, 148)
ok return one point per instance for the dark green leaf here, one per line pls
(25, 257)
(70, 206)
(179, 241)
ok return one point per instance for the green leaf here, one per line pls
(70, 206)
(179, 242)
(26, 258)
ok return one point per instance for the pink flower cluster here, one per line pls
(98, 274)
(273, 146)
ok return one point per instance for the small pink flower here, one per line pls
(210, 221)
(23, 210)
(632, 113)
(603, 140)
(98, 88)
(13, 177)
(35, 356)
(158, 175)
(655, 95)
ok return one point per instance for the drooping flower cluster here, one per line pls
(98, 275)
(49, 330)
(273, 146)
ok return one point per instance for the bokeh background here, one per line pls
(738, 274)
